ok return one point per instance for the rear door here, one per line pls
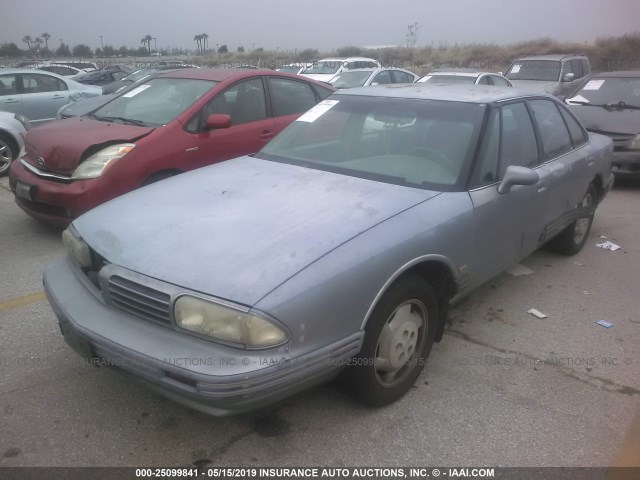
(42, 96)
(10, 97)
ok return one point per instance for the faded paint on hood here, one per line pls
(611, 121)
(61, 143)
(239, 229)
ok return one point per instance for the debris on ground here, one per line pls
(604, 323)
(536, 313)
(518, 270)
(608, 246)
(581, 264)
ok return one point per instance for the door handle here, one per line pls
(267, 134)
(11, 100)
(58, 96)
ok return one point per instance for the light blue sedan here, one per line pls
(38, 95)
(337, 249)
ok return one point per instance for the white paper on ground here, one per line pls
(536, 313)
(608, 246)
(517, 270)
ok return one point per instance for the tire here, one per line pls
(398, 339)
(571, 240)
(156, 177)
(8, 153)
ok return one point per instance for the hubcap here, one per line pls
(6, 155)
(399, 342)
(582, 225)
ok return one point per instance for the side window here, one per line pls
(499, 81)
(35, 83)
(119, 75)
(518, 143)
(244, 102)
(576, 67)
(289, 96)
(484, 80)
(553, 131)
(382, 78)
(8, 85)
(586, 68)
(402, 77)
(322, 92)
(578, 135)
(487, 169)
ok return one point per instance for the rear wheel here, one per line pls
(397, 342)
(571, 240)
(8, 153)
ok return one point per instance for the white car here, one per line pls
(62, 70)
(364, 77)
(295, 68)
(327, 68)
(465, 76)
(13, 130)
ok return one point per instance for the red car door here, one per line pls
(289, 99)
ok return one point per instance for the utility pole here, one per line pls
(101, 44)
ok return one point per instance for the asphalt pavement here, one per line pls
(503, 388)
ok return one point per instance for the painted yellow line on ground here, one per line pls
(21, 301)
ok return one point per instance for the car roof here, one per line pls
(556, 57)
(447, 92)
(220, 75)
(9, 71)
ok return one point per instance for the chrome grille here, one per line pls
(139, 300)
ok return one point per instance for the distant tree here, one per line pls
(308, 54)
(27, 39)
(141, 52)
(240, 49)
(223, 49)
(82, 50)
(349, 51)
(147, 40)
(412, 35)
(123, 51)
(46, 37)
(205, 42)
(108, 51)
(9, 50)
(63, 50)
(38, 41)
(198, 40)
(259, 50)
(98, 52)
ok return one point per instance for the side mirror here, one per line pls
(569, 77)
(218, 120)
(517, 176)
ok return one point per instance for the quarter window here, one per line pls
(553, 131)
(484, 80)
(578, 136)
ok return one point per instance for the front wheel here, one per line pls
(8, 153)
(571, 240)
(398, 340)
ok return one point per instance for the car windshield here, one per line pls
(349, 79)
(417, 143)
(447, 79)
(327, 67)
(609, 90)
(543, 70)
(154, 103)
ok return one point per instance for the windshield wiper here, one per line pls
(609, 106)
(131, 121)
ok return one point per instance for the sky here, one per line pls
(325, 25)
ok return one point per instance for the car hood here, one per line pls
(600, 119)
(62, 143)
(536, 85)
(239, 229)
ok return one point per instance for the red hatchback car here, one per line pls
(172, 123)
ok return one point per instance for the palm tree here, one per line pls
(27, 39)
(148, 39)
(46, 37)
(205, 39)
(38, 41)
(198, 39)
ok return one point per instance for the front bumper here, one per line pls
(59, 202)
(200, 374)
(626, 164)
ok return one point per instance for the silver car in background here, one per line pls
(38, 95)
(365, 77)
(13, 131)
(336, 249)
(462, 76)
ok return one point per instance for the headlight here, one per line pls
(634, 143)
(97, 164)
(77, 248)
(225, 323)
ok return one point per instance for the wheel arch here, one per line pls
(14, 142)
(439, 271)
(599, 186)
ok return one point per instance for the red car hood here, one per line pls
(62, 143)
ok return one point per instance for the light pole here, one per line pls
(155, 44)
(101, 44)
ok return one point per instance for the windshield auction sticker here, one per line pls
(317, 111)
(136, 91)
(593, 85)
